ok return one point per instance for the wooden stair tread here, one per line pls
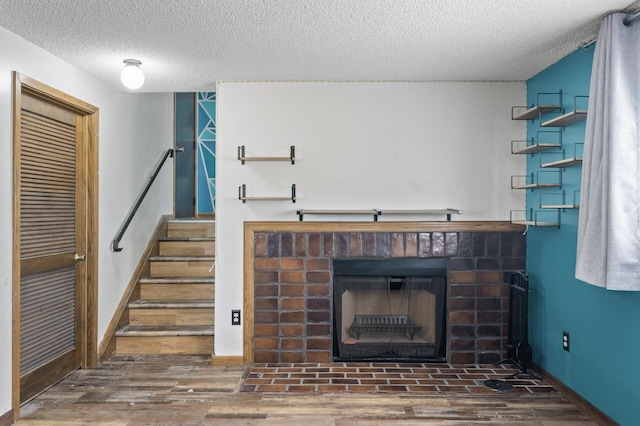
(190, 228)
(166, 330)
(172, 304)
(192, 220)
(177, 280)
(187, 239)
(174, 310)
(182, 258)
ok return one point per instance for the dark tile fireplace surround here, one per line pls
(290, 285)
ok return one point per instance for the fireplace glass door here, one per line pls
(389, 317)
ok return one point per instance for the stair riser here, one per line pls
(177, 291)
(194, 229)
(164, 345)
(159, 317)
(187, 248)
(181, 269)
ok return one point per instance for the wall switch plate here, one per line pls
(565, 341)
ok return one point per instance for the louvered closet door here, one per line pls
(50, 236)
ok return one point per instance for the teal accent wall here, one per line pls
(185, 118)
(206, 136)
(603, 364)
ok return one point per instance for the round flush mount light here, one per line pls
(132, 76)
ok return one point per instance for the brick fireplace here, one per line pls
(288, 282)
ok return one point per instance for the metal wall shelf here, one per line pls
(538, 109)
(548, 144)
(566, 119)
(243, 158)
(540, 179)
(543, 143)
(557, 200)
(428, 212)
(574, 116)
(364, 212)
(533, 148)
(567, 162)
(242, 195)
(541, 218)
(564, 162)
(375, 212)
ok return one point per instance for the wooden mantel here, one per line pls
(405, 226)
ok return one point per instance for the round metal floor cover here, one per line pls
(499, 385)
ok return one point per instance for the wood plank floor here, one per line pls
(187, 390)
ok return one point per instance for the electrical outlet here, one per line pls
(565, 340)
(235, 317)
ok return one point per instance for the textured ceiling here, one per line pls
(188, 45)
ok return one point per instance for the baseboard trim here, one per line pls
(7, 418)
(583, 405)
(227, 360)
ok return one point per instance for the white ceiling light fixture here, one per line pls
(132, 76)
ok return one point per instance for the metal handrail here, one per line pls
(123, 228)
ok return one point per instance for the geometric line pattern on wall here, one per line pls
(206, 137)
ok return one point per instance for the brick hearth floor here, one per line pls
(387, 378)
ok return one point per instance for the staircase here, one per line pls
(171, 311)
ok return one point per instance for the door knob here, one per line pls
(79, 257)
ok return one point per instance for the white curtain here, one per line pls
(608, 253)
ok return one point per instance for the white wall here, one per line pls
(358, 146)
(133, 131)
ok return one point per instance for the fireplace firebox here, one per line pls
(389, 309)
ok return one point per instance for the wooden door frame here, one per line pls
(88, 130)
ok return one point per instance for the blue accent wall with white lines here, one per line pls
(206, 135)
